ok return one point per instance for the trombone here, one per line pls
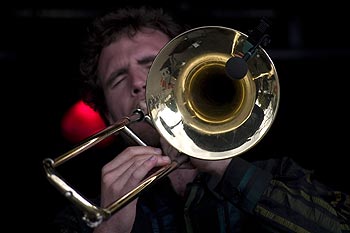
(195, 105)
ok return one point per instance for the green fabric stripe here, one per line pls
(345, 227)
(313, 214)
(221, 219)
(280, 220)
(246, 178)
(305, 196)
(255, 189)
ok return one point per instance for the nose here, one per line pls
(138, 83)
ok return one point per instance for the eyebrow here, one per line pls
(116, 73)
(146, 60)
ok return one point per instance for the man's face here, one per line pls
(123, 68)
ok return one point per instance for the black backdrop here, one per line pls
(39, 54)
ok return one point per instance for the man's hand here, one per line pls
(121, 175)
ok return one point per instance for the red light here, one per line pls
(80, 122)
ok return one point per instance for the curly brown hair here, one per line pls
(106, 29)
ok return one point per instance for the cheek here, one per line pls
(118, 104)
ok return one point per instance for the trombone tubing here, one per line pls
(98, 137)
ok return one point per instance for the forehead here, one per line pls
(144, 43)
(145, 38)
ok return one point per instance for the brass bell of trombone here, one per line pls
(195, 105)
(199, 109)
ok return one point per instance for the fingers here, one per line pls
(128, 169)
(138, 171)
(174, 154)
(123, 174)
(129, 155)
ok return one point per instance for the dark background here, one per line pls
(39, 55)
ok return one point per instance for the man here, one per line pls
(230, 195)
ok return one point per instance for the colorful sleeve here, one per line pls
(286, 196)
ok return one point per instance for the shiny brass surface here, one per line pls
(198, 108)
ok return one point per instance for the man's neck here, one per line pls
(180, 178)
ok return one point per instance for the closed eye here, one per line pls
(116, 78)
